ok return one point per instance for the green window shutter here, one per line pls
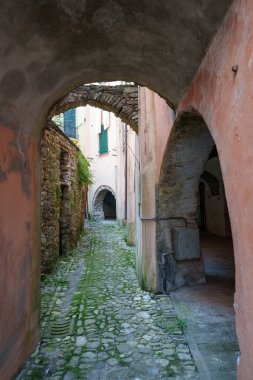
(103, 141)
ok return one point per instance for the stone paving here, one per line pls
(98, 324)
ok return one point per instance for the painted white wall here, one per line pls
(108, 169)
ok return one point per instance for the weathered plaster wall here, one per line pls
(19, 247)
(225, 101)
(154, 129)
(131, 190)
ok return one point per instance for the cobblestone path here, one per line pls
(98, 324)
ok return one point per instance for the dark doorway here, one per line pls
(202, 209)
(109, 206)
(215, 237)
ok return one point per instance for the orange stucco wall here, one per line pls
(225, 101)
(19, 260)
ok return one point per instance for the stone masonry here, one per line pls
(98, 201)
(122, 100)
(62, 196)
(184, 160)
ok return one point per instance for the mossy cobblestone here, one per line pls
(118, 330)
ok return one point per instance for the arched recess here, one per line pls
(187, 151)
(122, 100)
(98, 202)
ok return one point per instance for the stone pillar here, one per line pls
(19, 247)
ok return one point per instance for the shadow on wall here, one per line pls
(109, 206)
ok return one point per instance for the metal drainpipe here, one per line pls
(157, 219)
(126, 173)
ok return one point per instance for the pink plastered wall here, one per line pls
(19, 259)
(164, 124)
(225, 99)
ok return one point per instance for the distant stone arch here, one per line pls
(122, 100)
(98, 202)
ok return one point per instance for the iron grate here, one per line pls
(60, 329)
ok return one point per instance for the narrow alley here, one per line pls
(98, 324)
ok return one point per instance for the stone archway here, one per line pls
(122, 100)
(98, 207)
(187, 151)
(43, 60)
(187, 255)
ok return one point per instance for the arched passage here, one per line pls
(104, 203)
(194, 241)
(40, 67)
(189, 197)
(122, 100)
(184, 159)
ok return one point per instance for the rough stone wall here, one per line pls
(62, 196)
(77, 194)
(50, 198)
(187, 152)
(121, 100)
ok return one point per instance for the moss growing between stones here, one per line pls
(65, 176)
(84, 174)
(58, 193)
(50, 200)
(114, 322)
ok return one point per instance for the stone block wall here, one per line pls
(121, 100)
(98, 201)
(63, 197)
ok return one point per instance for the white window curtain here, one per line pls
(106, 119)
(97, 119)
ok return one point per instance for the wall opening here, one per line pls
(109, 206)
(104, 204)
(191, 205)
(214, 223)
(194, 243)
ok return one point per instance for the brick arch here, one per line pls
(186, 154)
(98, 200)
(122, 100)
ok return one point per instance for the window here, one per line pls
(69, 123)
(103, 141)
